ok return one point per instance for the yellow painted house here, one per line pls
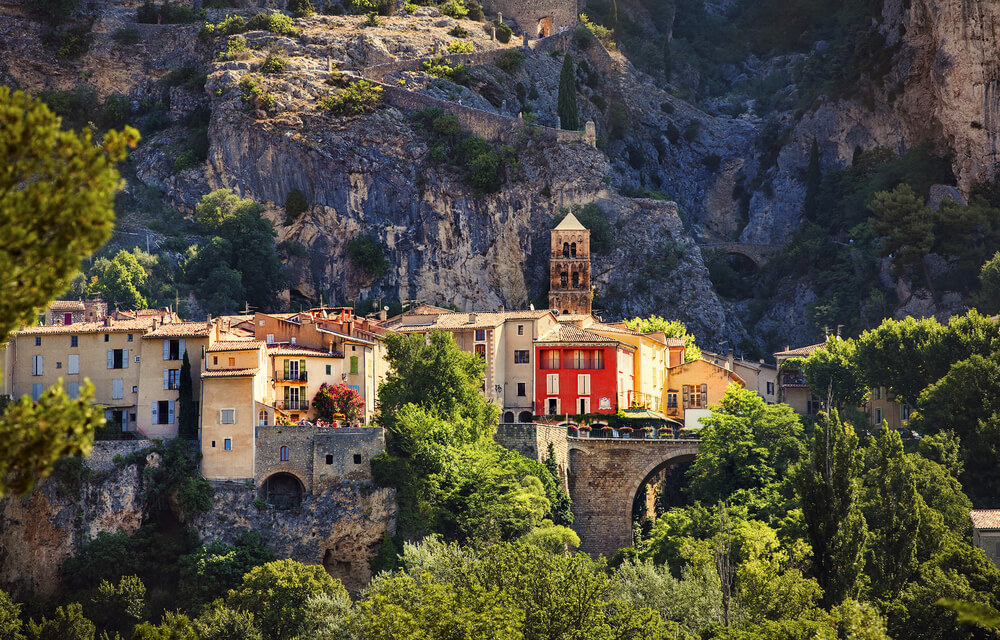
(693, 387)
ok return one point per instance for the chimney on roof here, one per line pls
(108, 321)
(500, 309)
(154, 323)
(729, 360)
(472, 318)
(208, 320)
(787, 347)
(383, 314)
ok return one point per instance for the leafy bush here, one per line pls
(440, 68)
(458, 31)
(504, 32)
(167, 13)
(410, 8)
(277, 23)
(301, 8)
(69, 44)
(236, 49)
(230, 26)
(673, 133)
(76, 107)
(691, 131)
(486, 168)
(359, 98)
(53, 10)
(460, 46)
(475, 11)
(126, 36)
(381, 7)
(454, 8)
(186, 160)
(116, 111)
(604, 35)
(371, 20)
(368, 254)
(335, 399)
(511, 60)
(188, 76)
(274, 63)
(295, 205)
(254, 94)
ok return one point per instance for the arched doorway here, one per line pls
(283, 491)
(525, 417)
(545, 27)
(508, 417)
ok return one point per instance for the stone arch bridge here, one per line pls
(603, 476)
(759, 254)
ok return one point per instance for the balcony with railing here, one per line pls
(291, 376)
(292, 405)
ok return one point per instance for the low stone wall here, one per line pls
(379, 71)
(102, 457)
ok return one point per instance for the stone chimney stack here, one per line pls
(472, 318)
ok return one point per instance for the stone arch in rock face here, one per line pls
(283, 490)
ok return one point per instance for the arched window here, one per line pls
(508, 417)
(564, 279)
(565, 249)
(572, 250)
(284, 454)
(262, 419)
(525, 416)
(576, 280)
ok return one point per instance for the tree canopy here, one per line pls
(671, 329)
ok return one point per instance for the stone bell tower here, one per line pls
(569, 268)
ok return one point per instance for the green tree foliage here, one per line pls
(328, 618)
(239, 264)
(215, 568)
(829, 490)
(56, 205)
(295, 204)
(274, 593)
(67, 623)
(892, 512)
(219, 622)
(117, 608)
(10, 618)
(486, 167)
(989, 283)
(338, 398)
(748, 447)
(834, 370)
(892, 355)
(671, 329)
(906, 227)
(37, 434)
(368, 254)
(553, 538)
(569, 114)
(187, 417)
(174, 626)
(122, 282)
(693, 601)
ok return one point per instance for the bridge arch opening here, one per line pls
(733, 273)
(661, 489)
(283, 491)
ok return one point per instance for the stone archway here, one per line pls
(525, 417)
(605, 476)
(545, 27)
(508, 417)
(282, 490)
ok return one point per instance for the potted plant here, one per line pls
(572, 431)
(666, 432)
(585, 431)
(626, 432)
(648, 432)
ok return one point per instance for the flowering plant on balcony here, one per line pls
(338, 402)
(625, 429)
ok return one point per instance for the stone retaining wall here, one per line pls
(102, 457)
(320, 458)
(532, 441)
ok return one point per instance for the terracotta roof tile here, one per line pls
(801, 351)
(65, 305)
(230, 373)
(235, 345)
(118, 326)
(180, 330)
(290, 350)
(985, 518)
(573, 333)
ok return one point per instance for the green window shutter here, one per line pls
(286, 393)
(302, 366)
(286, 369)
(354, 364)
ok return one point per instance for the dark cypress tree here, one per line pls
(187, 419)
(813, 178)
(569, 118)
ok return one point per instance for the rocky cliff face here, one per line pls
(340, 529)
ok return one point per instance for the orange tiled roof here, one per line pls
(230, 373)
(573, 333)
(451, 320)
(180, 330)
(118, 326)
(985, 518)
(801, 351)
(235, 345)
(296, 350)
(64, 305)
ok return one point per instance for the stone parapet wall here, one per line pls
(532, 441)
(310, 449)
(102, 457)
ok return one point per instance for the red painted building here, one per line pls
(578, 371)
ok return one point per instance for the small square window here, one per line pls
(213, 444)
(357, 458)
(232, 362)
(58, 365)
(329, 458)
(480, 335)
(228, 416)
(520, 329)
(38, 341)
(74, 341)
(107, 337)
(328, 369)
(135, 389)
(215, 359)
(353, 348)
(130, 337)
